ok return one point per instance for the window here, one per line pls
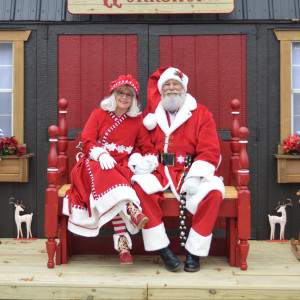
(295, 87)
(12, 83)
(289, 82)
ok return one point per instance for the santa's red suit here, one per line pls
(97, 195)
(191, 132)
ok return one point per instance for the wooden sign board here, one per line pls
(108, 7)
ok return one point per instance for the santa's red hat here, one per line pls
(156, 82)
(125, 80)
(172, 73)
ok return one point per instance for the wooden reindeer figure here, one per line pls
(273, 220)
(20, 219)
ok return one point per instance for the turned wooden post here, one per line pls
(234, 142)
(51, 205)
(244, 216)
(63, 160)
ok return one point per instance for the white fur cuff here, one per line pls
(197, 244)
(95, 152)
(155, 238)
(201, 168)
(148, 182)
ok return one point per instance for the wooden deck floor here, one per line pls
(273, 273)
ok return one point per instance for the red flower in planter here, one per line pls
(291, 145)
(10, 146)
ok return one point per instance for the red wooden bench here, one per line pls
(234, 213)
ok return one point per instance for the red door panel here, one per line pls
(216, 67)
(87, 64)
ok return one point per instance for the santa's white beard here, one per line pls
(172, 103)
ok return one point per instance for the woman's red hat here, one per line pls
(125, 80)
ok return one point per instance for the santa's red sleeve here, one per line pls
(207, 149)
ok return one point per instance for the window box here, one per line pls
(288, 168)
(14, 168)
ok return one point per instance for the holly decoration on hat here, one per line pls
(179, 74)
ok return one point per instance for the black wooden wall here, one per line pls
(263, 111)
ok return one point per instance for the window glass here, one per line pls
(5, 104)
(295, 65)
(5, 126)
(6, 77)
(6, 54)
(6, 89)
(296, 53)
(296, 106)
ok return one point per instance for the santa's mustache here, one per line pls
(171, 92)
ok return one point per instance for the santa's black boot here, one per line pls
(173, 264)
(192, 263)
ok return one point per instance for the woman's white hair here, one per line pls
(110, 104)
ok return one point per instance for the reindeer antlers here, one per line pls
(284, 203)
(11, 201)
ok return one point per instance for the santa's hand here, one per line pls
(106, 161)
(191, 185)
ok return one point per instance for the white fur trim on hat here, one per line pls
(173, 73)
(150, 121)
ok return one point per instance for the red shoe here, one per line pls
(137, 218)
(124, 252)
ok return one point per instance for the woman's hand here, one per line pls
(106, 161)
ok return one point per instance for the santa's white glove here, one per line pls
(140, 165)
(106, 161)
(191, 185)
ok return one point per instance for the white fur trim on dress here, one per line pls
(95, 152)
(197, 244)
(150, 121)
(116, 238)
(148, 182)
(201, 168)
(205, 187)
(103, 210)
(155, 238)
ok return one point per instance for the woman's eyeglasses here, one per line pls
(127, 95)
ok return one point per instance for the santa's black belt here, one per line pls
(169, 159)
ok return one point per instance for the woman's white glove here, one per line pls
(106, 161)
(191, 185)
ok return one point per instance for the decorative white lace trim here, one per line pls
(119, 148)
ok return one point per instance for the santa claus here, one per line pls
(184, 134)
